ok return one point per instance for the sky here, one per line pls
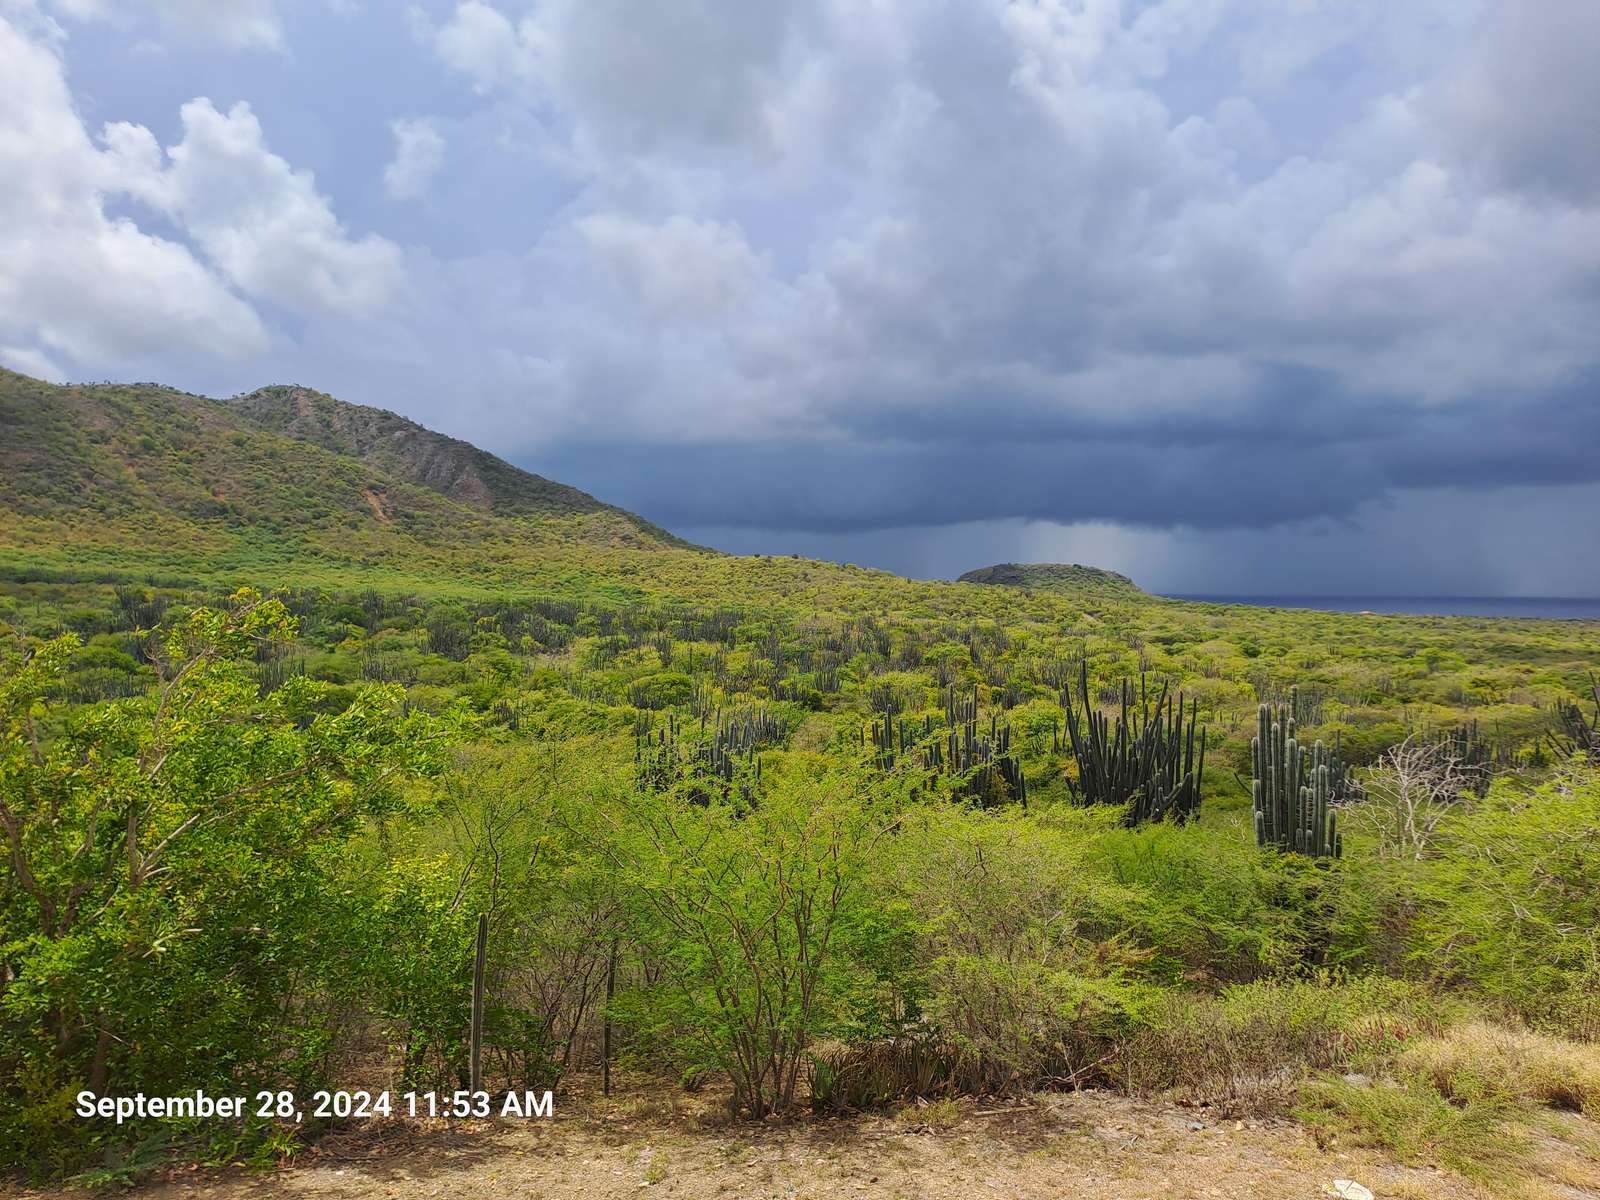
(1234, 296)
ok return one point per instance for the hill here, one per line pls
(286, 484)
(146, 477)
(402, 449)
(1055, 577)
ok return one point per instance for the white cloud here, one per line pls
(641, 77)
(481, 42)
(32, 361)
(73, 279)
(233, 24)
(418, 156)
(261, 221)
(77, 10)
(680, 267)
(1050, 209)
(84, 282)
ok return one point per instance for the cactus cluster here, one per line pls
(721, 760)
(1150, 761)
(1307, 706)
(1058, 673)
(276, 671)
(1481, 757)
(1295, 793)
(989, 768)
(1580, 734)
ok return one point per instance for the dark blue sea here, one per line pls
(1547, 607)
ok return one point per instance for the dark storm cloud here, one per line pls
(1255, 471)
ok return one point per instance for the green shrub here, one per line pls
(746, 915)
(1509, 902)
(1023, 972)
(1214, 909)
(661, 690)
(174, 857)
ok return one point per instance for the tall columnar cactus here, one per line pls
(1150, 761)
(989, 767)
(723, 761)
(1580, 734)
(1305, 706)
(1294, 792)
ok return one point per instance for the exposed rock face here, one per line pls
(403, 448)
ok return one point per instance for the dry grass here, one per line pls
(1478, 1059)
(1478, 1139)
(934, 1115)
(1477, 1098)
(1255, 1044)
(867, 1075)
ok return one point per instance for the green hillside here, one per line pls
(142, 478)
(400, 449)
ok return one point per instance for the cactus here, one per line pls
(1579, 734)
(722, 760)
(1305, 705)
(1480, 758)
(990, 770)
(1147, 762)
(1294, 793)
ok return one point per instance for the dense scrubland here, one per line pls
(802, 836)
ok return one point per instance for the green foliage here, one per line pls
(417, 962)
(1023, 969)
(1213, 910)
(170, 863)
(1509, 901)
(750, 916)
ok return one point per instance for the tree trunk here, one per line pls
(477, 1001)
(100, 1067)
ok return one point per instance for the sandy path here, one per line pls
(1095, 1146)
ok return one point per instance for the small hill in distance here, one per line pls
(1056, 577)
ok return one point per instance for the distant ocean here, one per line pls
(1547, 607)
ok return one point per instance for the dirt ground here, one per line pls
(660, 1143)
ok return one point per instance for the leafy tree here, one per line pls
(169, 859)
